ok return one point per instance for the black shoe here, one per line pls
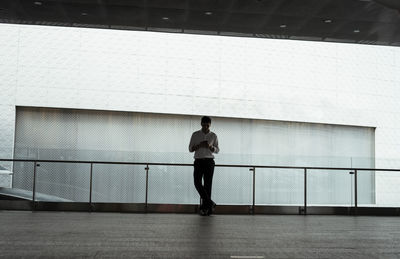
(204, 212)
(212, 208)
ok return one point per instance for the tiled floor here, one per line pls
(117, 235)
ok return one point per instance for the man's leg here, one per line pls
(198, 173)
(208, 177)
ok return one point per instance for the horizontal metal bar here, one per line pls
(192, 208)
(217, 165)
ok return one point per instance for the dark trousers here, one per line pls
(204, 170)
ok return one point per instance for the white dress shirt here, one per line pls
(203, 152)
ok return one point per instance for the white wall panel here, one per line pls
(8, 55)
(32, 76)
(8, 77)
(64, 78)
(205, 105)
(40, 38)
(121, 43)
(96, 80)
(94, 41)
(211, 71)
(177, 67)
(206, 87)
(120, 64)
(7, 129)
(87, 98)
(9, 48)
(93, 61)
(63, 97)
(152, 65)
(179, 86)
(178, 104)
(125, 82)
(232, 89)
(9, 35)
(254, 78)
(33, 96)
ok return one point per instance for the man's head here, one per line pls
(205, 123)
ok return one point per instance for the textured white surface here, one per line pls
(58, 134)
(193, 74)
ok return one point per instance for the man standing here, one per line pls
(204, 143)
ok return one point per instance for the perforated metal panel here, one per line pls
(172, 184)
(280, 186)
(321, 191)
(64, 180)
(61, 134)
(23, 175)
(232, 186)
(119, 183)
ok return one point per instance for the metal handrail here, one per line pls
(217, 165)
(252, 168)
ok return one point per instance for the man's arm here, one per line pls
(192, 146)
(215, 148)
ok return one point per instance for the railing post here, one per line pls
(147, 187)
(355, 192)
(91, 187)
(305, 191)
(254, 190)
(34, 185)
(12, 176)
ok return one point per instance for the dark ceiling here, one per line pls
(357, 21)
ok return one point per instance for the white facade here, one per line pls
(283, 80)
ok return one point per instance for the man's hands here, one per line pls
(204, 144)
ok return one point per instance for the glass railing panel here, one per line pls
(6, 174)
(330, 188)
(279, 186)
(171, 185)
(366, 188)
(119, 183)
(232, 186)
(62, 182)
(57, 181)
(386, 190)
(23, 176)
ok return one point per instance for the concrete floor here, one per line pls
(117, 235)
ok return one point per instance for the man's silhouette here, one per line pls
(204, 143)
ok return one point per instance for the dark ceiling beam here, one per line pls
(146, 15)
(311, 15)
(16, 4)
(7, 11)
(267, 19)
(377, 19)
(103, 12)
(394, 4)
(375, 32)
(228, 13)
(60, 8)
(345, 22)
(395, 36)
(185, 15)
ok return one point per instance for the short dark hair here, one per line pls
(206, 119)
